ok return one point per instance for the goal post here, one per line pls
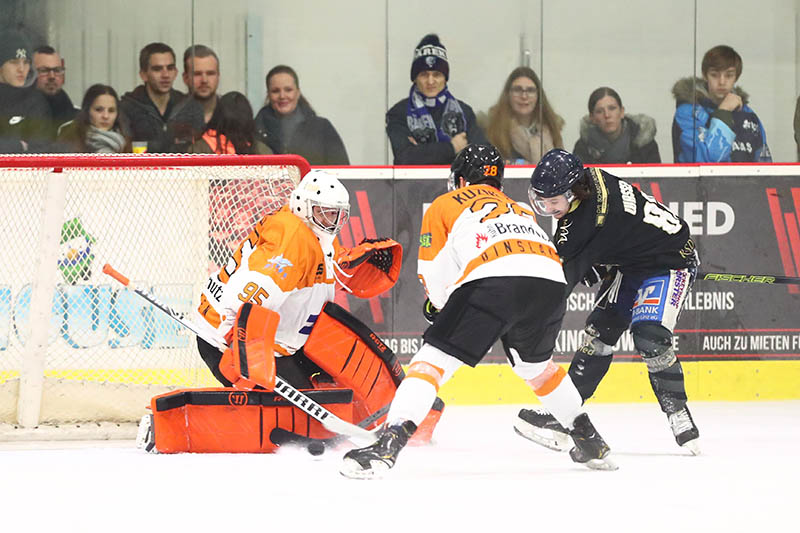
(76, 351)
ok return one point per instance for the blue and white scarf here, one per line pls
(420, 121)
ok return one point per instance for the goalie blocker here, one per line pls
(364, 375)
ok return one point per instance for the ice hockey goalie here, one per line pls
(272, 306)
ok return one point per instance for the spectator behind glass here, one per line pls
(24, 113)
(201, 76)
(289, 125)
(232, 129)
(98, 128)
(50, 77)
(166, 119)
(713, 123)
(608, 135)
(430, 126)
(522, 125)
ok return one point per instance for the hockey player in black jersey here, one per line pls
(642, 255)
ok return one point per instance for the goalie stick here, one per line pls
(329, 420)
(763, 279)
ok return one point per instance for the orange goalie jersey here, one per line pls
(280, 266)
(478, 232)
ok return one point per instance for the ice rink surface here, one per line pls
(477, 476)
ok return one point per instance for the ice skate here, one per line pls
(685, 431)
(539, 426)
(145, 436)
(375, 459)
(590, 449)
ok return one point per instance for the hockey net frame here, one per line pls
(79, 357)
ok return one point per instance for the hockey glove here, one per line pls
(596, 274)
(370, 268)
(429, 311)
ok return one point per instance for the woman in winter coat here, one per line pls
(522, 125)
(289, 125)
(609, 136)
(99, 127)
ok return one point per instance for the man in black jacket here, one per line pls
(50, 76)
(166, 119)
(24, 113)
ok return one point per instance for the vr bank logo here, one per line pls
(649, 298)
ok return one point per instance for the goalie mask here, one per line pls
(322, 202)
(477, 163)
(553, 179)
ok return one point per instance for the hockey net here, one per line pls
(78, 351)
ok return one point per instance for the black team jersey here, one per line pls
(619, 225)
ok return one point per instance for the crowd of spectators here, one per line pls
(713, 120)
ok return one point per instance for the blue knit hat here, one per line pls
(430, 54)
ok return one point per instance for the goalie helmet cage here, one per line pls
(79, 356)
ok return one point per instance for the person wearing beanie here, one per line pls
(430, 126)
(24, 113)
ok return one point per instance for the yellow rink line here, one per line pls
(628, 383)
(497, 384)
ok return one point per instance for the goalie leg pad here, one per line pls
(250, 361)
(226, 420)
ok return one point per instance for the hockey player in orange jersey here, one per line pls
(490, 272)
(272, 304)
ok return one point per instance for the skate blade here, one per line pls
(353, 470)
(693, 446)
(601, 464)
(548, 438)
(144, 436)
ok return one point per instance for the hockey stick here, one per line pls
(329, 420)
(763, 279)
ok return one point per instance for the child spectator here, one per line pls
(713, 123)
(522, 125)
(608, 135)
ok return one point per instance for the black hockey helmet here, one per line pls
(555, 175)
(477, 163)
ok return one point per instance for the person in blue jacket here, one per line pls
(713, 123)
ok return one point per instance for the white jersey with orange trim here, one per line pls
(478, 232)
(281, 266)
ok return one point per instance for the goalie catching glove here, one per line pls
(370, 268)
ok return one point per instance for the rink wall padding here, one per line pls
(736, 341)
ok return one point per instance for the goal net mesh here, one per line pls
(165, 223)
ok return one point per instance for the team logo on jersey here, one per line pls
(280, 264)
(480, 239)
(425, 240)
(563, 232)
